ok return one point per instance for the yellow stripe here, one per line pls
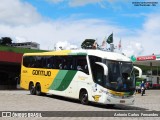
(59, 52)
(116, 93)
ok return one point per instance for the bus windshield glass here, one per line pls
(120, 76)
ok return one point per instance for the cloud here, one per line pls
(150, 34)
(19, 39)
(78, 3)
(144, 40)
(71, 32)
(49, 33)
(55, 1)
(18, 13)
(74, 3)
(151, 23)
(133, 48)
(65, 45)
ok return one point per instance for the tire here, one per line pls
(32, 89)
(84, 97)
(142, 94)
(38, 89)
(139, 90)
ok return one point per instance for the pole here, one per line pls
(151, 70)
(112, 47)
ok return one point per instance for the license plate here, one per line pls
(122, 101)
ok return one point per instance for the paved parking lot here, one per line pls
(20, 100)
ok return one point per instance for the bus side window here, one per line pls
(33, 62)
(68, 62)
(60, 66)
(50, 62)
(38, 62)
(64, 63)
(81, 64)
(58, 62)
(26, 61)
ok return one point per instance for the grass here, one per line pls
(19, 50)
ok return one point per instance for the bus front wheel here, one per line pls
(32, 89)
(84, 97)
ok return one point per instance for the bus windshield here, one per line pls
(120, 76)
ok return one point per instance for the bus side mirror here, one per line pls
(139, 70)
(104, 67)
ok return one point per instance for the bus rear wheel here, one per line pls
(38, 89)
(84, 97)
(32, 89)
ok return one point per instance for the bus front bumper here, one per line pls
(110, 99)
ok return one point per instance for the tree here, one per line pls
(5, 41)
(89, 44)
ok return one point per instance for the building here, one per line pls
(29, 45)
(153, 74)
(10, 67)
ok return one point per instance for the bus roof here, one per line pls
(98, 53)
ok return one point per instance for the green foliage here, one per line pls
(88, 44)
(19, 50)
(5, 41)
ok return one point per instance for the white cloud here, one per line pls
(151, 34)
(19, 39)
(151, 23)
(101, 3)
(73, 32)
(133, 48)
(15, 12)
(55, 1)
(49, 33)
(68, 32)
(144, 41)
(74, 3)
(65, 45)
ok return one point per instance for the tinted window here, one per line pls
(38, 61)
(29, 61)
(94, 66)
(81, 64)
(57, 62)
(69, 63)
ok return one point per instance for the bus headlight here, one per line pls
(111, 95)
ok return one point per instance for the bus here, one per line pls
(88, 75)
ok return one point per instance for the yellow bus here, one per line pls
(87, 75)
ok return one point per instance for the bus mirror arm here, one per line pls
(139, 70)
(104, 67)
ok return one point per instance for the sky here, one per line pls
(68, 23)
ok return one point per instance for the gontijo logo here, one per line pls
(41, 72)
